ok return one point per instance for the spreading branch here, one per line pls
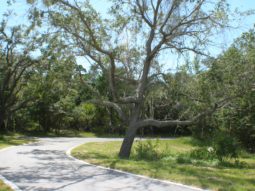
(113, 105)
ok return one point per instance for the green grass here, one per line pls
(224, 177)
(4, 187)
(12, 140)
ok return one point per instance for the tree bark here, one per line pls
(2, 125)
(127, 143)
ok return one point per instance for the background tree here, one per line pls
(17, 45)
(54, 86)
(232, 75)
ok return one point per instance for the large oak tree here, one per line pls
(134, 36)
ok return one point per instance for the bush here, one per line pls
(203, 130)
(222, 148)
(147, 150)
(225, 146)
(204, 153)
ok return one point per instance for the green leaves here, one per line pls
(31, 1)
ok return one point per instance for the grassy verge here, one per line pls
(204, 174)
(4, 187)
(12, 140)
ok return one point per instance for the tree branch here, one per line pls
(157, 123)
(166, 123)
(113, 105)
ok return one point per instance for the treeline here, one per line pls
(50, 92)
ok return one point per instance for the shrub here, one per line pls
(225, 146)
(147, 150)
(204, 153)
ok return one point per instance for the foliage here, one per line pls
(84, 115)
(226, 146)
(204, 153)
(230, 79)
(147, 150)
(17, 43)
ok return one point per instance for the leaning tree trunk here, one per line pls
(127, 143)
(2, 125)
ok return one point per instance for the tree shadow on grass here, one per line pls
(13, 141)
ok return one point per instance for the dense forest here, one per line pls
(206, 97)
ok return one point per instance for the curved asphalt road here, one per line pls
(44, 166)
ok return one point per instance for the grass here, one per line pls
(12, 140)
(4, 187)
(220, 177)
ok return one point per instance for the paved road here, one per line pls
(44, 166)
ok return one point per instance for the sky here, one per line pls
(224, 38)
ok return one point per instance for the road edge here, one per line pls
(13, 186)
(10, 184)
(68, 153)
